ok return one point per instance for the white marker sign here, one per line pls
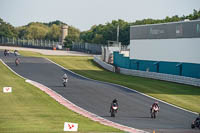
(70, 126)
(7, 89)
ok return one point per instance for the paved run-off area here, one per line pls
(46, 51)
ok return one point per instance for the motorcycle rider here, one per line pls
(65, 78)
(114, 102)
(155, 104)
(196, 122)
(198, 119)
(17, 61)
(16, 53)
(6, 52)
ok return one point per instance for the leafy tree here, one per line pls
(101, 34)
(98, 38)
(7, 30)
(54, 33)
(57, 22)
(33, 30)
(73, 36)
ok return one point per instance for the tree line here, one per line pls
(98, 34)
(34, 30)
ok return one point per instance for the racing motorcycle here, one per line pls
(114, 109)
(154, 112)
(6, 52)
(195, 124)
(17, 62)
(65, 82)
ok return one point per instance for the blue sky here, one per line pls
(83, 14)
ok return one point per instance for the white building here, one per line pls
(173, 42)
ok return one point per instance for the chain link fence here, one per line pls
(46, 44)
(87, 48)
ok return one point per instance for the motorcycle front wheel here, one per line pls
(192, 126)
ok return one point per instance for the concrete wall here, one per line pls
(125, 53)
(97, 59)
(153, 75)
(107, 53)
(161, 76)
(175, 68)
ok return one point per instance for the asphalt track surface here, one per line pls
(96, 97)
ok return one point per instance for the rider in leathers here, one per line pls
(198, 119)
(65, 76)
(155, 104)
(114, 102)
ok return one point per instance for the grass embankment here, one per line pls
(185, 96)
(28, 109)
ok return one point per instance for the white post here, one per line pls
(118, 34)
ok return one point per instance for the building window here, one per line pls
(198, 28)
(179, 30)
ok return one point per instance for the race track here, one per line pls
(96, 97)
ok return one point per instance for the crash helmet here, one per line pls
(65, 75)
(115, 100)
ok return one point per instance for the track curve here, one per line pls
(96, 96)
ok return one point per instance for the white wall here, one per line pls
(125, 53)
(97, 59)
(107, 51)
(162, 76)
(174, 50)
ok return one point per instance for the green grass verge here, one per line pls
(28, 109)
(184, 96)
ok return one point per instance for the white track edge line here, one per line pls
(13, 70)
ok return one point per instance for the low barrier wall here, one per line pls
(173, 68)
(97, 59)
(152, 75)
(161, 76)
